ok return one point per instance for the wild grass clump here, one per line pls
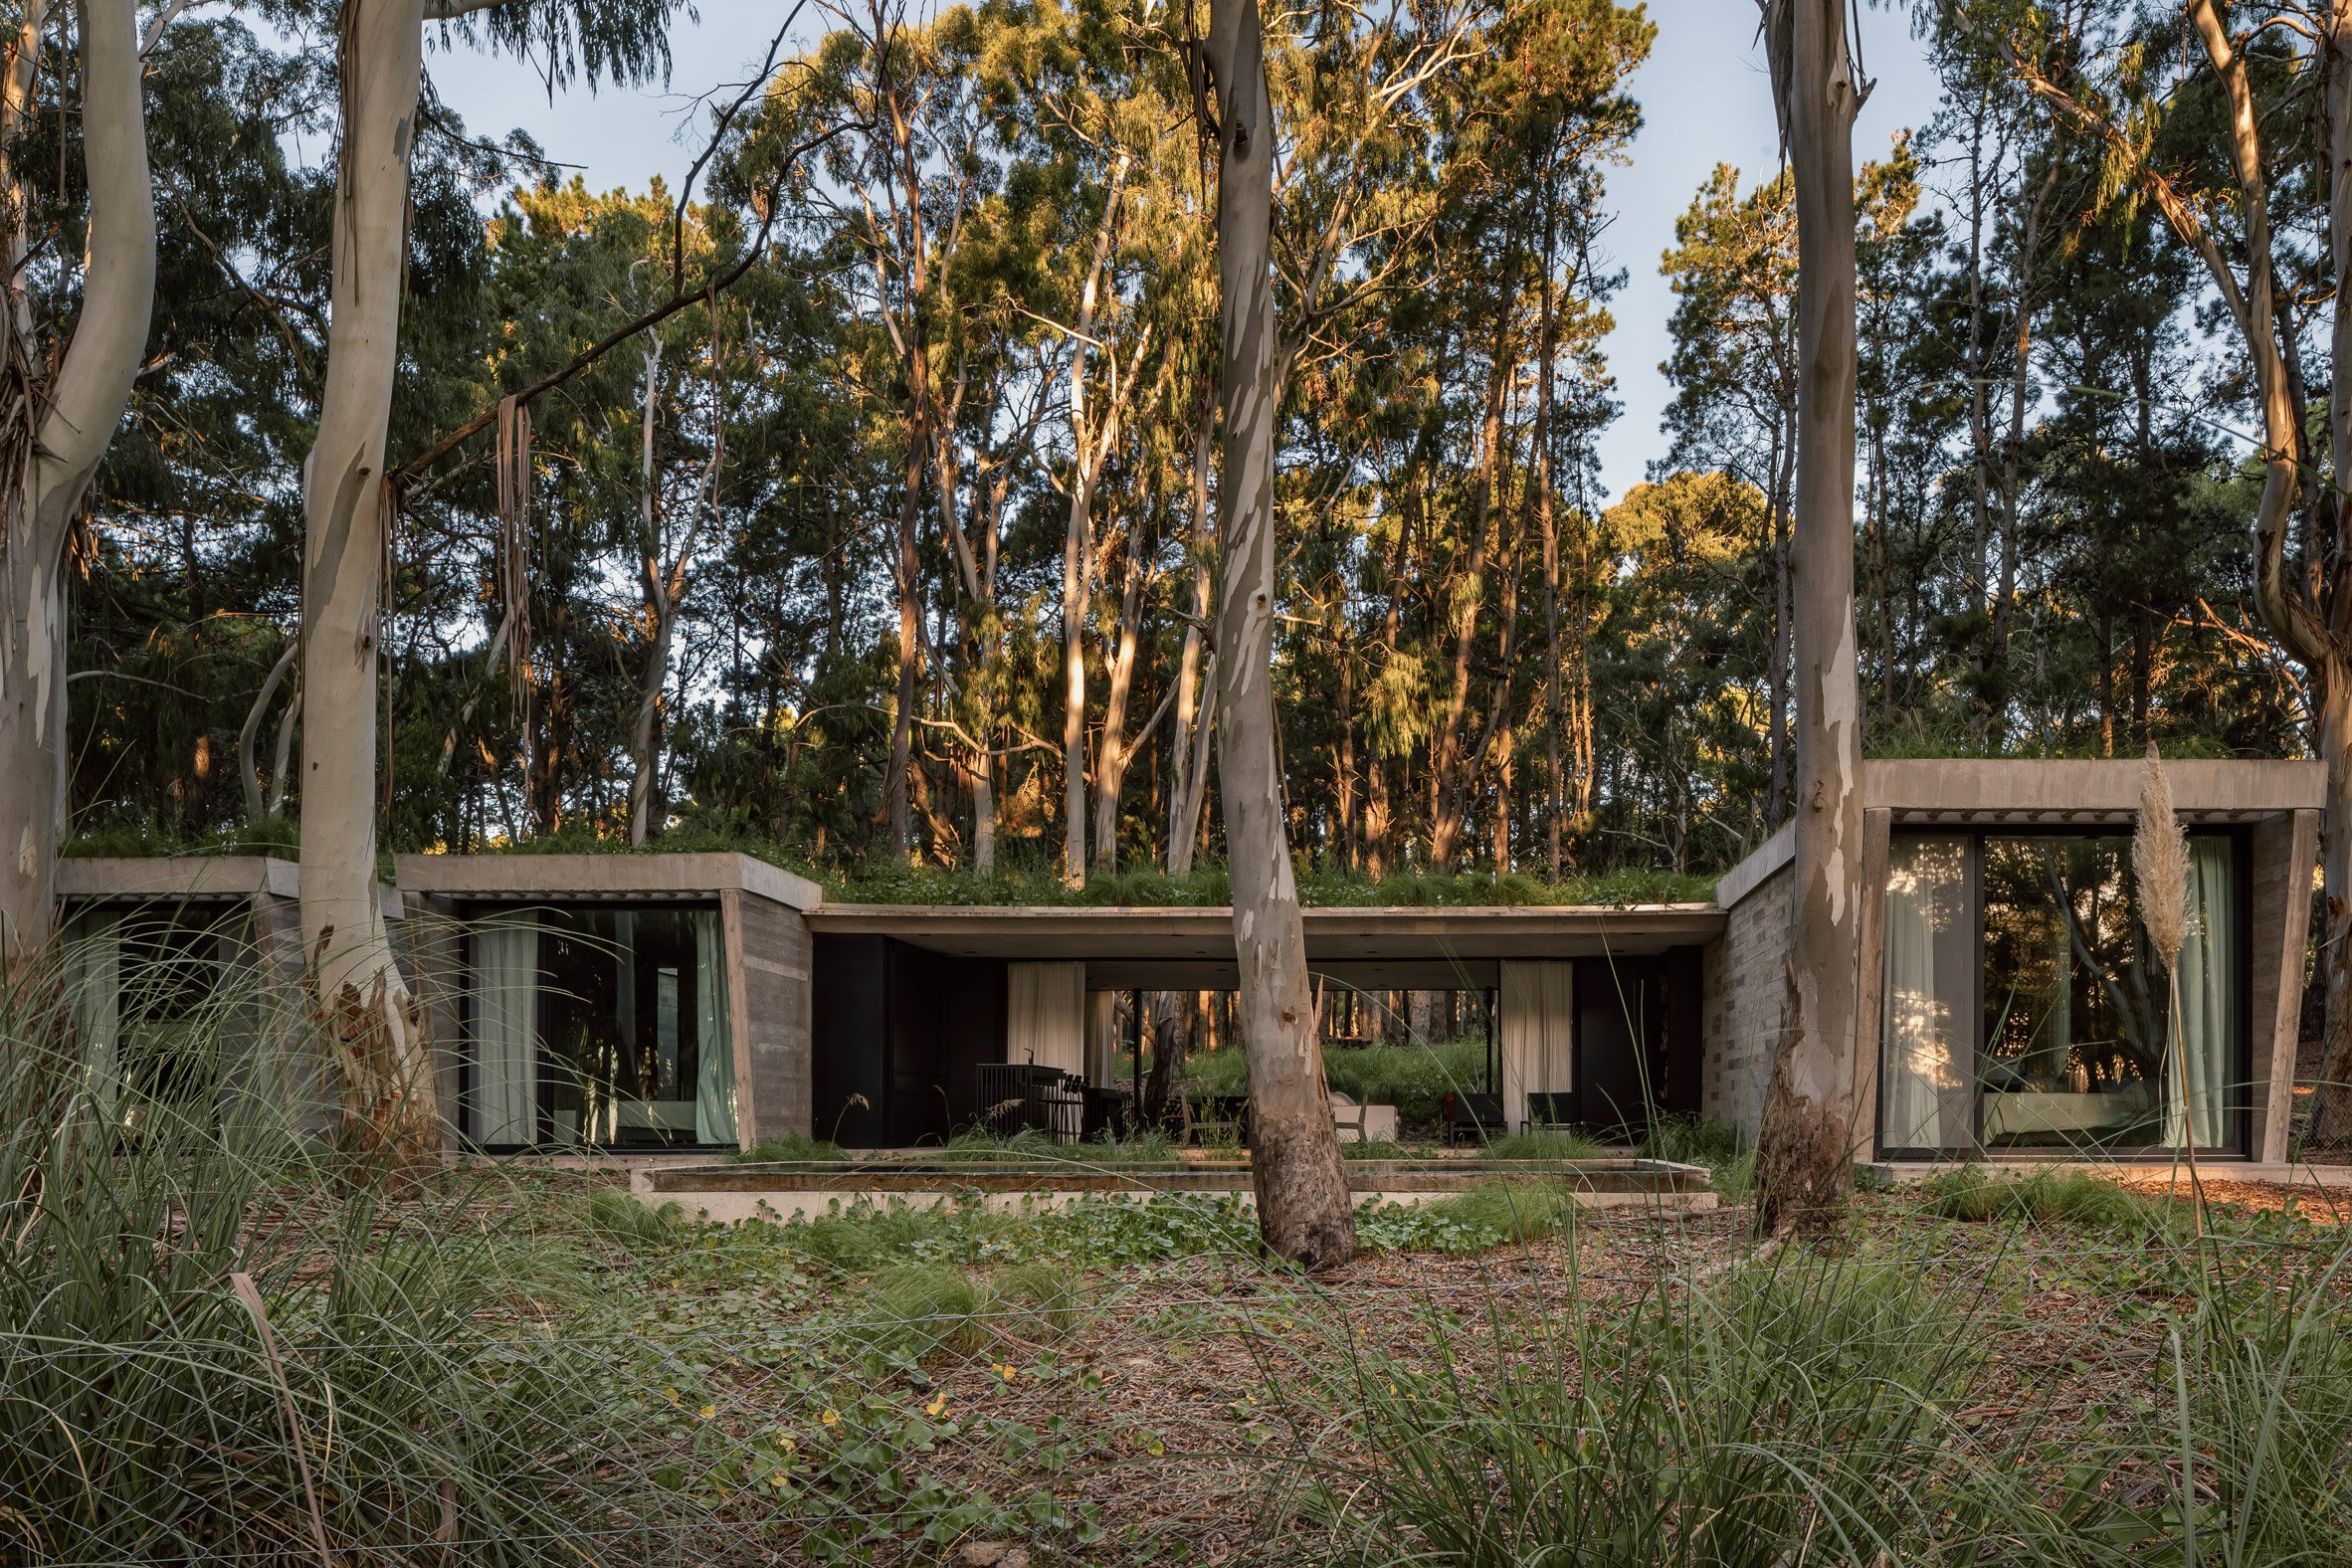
(917, 1310)
(623, 1216)
(220, 1340)
(861, 1237)
(2063, 1195)
(1783, 1415)
(1507, 1211)
(1550, 1144)
(1727, 1152)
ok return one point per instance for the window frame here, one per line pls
(468, 1120)
(2240, 1110)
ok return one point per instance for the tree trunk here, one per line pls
(1113, 752)
(2331, 1108)
(51, 462)
(1192, 735)
(366, 1015)
(1303, 1212)
(645, 733)
(1807, 1142)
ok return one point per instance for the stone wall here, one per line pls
(1746, 979)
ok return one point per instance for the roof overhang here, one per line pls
(1124, 944)
(581, 879)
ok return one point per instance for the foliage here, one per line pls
(141, 1415)
(1544, 1144)
(2061, 1195)
(1416, 1079)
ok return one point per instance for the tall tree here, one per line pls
(372, 1024)
(1803, 1153)
(55, 427)
(1303, 1209)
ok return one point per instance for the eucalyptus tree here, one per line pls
(1803, 1152)
(373, 1030)
(62, 392)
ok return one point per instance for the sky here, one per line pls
(1705, 94)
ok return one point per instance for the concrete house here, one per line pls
(2017, 1011)
(184, 978)
(643, 1003)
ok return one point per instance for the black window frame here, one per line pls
(468, 1120)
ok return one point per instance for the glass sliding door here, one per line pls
(605, 1028)
(2024, 1012)
(1926, 1070)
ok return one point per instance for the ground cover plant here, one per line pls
(493, 1365)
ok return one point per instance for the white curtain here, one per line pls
(1536, 1032)
(1928, 981)
(1045, 1015)
(2206, 982)
(94, 991)
(715, 1042)
(506, 1030)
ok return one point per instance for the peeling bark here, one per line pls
(371, 1025)
(49, 464)
(1804, 1155)
(1303, 1213)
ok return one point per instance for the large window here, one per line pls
(156, 1008)
(603, 1028)
(2024, 1010)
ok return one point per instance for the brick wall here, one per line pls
(1746, 979)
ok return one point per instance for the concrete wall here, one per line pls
(2285, 848)
(1745, 972)
(768, 968)
(2278, 801)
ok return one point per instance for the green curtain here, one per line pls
(2197, 1068)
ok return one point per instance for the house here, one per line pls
(628, 1003)
(658, 1003)
(183, 974)
(2017, 1011)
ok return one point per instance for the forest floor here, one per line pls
(1128, 1383)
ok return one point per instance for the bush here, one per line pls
(2058, 1196)
(621, 1217)
(1415, 1079)
(1789, 1414)
(918, 1309)
(1546, 1144)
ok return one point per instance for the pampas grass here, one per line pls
(2160, 865)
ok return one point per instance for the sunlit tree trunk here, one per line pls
(1303, 1212)
(1805, 1151)
(367, 1016)
(1186, 777)
(55, 435)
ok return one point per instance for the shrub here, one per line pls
(623, 1216)
(2060, 1196)
(1792, 1413)
(145, 1417)
(918, 1309)
(1416, 1079)
(1545, 1144)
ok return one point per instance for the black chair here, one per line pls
(1020, 1094)
(1480, 1116)
(1551, 1108)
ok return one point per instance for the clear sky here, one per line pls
(1705, 96)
